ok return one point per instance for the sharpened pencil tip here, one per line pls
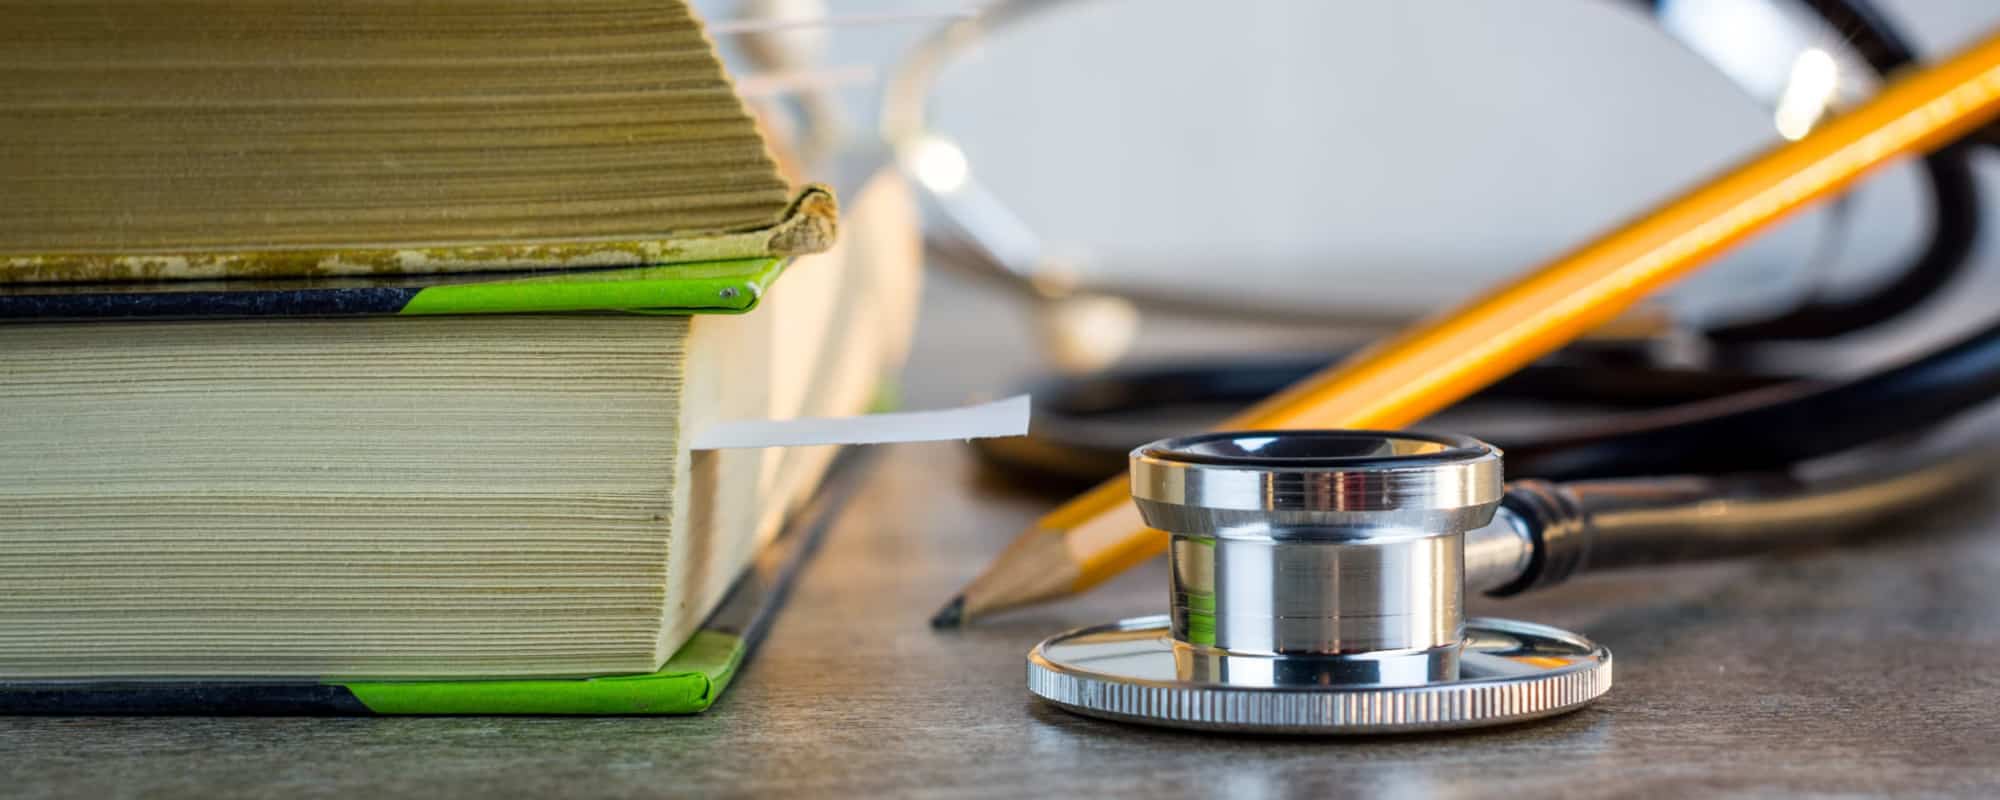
(951, 615)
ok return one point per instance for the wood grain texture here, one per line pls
(1872, 670)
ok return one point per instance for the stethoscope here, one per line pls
(1317, 578)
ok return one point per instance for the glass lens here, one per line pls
(1369, 159)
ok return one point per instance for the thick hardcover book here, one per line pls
(688, 683)
(189, 139)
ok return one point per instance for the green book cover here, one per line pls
(688, 683)
(711, 287)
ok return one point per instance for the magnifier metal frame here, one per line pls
(1317, 581)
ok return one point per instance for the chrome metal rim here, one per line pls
(1134, 671)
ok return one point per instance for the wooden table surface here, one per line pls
(1873, 669)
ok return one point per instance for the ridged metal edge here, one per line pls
(1334, 711)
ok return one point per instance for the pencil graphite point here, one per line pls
(951, 615)
(1037, 566)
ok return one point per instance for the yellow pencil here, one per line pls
(1444, 359)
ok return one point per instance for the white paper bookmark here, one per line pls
(1007, 417)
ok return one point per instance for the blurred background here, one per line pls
(1367, 162)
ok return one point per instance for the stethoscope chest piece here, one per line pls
(1317, 583)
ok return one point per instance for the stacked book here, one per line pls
(355, 345)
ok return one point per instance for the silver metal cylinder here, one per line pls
(1344, 544)
(1325, 598)
(1499, 553)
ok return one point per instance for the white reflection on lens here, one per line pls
(1815, 77)
(939, 164)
